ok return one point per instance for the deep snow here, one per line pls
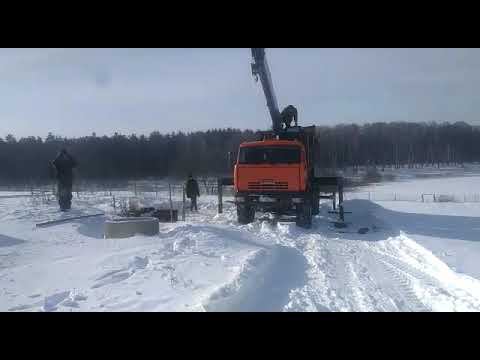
(415, 257)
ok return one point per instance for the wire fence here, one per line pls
(171, 195)
(414, 197)
(122, 197)
(207, 186)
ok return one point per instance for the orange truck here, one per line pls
(276, 173)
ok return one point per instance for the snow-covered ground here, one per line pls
(415, 257)
(451, 230)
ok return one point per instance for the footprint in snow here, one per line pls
(70, 303)
(80, 297)
(51, 302)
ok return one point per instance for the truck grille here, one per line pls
(267, 186)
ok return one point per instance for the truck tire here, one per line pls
(245, 214)
(304, 215)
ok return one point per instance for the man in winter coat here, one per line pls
(64, 165)
(289, 115)
(192, 192)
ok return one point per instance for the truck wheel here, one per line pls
(245, 214)
(304, 215)
(316, 205)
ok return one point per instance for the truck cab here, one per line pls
(271, 166)
(275, 174)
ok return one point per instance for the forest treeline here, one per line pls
(396, 144)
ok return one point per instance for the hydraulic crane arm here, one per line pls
(260, 70)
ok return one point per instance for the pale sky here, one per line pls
(74, 92)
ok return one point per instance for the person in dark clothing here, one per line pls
(64, 165)
(289, 115)
(193, 192)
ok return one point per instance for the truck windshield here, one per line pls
(269, 155)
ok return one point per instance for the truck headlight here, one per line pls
(239, 199)
(297, 200)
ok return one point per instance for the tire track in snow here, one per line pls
(401, 289)
(264, 284)
(342, 277)
(360, 275)
(433, 287)
(378, 271)
(406, 276)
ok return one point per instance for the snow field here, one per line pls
(415, 257)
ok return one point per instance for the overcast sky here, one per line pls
(74, 92)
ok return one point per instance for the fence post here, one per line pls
(135, 188)
(369, 196)
(114, 206)
(340, 200)
(394, 196)
(205, 184)
(171, 205)
(183, 204)
(220, 196)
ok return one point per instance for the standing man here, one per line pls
(192, 192)
(289, 115)
(64, 164)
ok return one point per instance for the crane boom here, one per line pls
(261, 70)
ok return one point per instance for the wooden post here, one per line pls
(340, 199)
(114, 206)
(183, 204)
(220, 196)
(334, 198)
(171, 205)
